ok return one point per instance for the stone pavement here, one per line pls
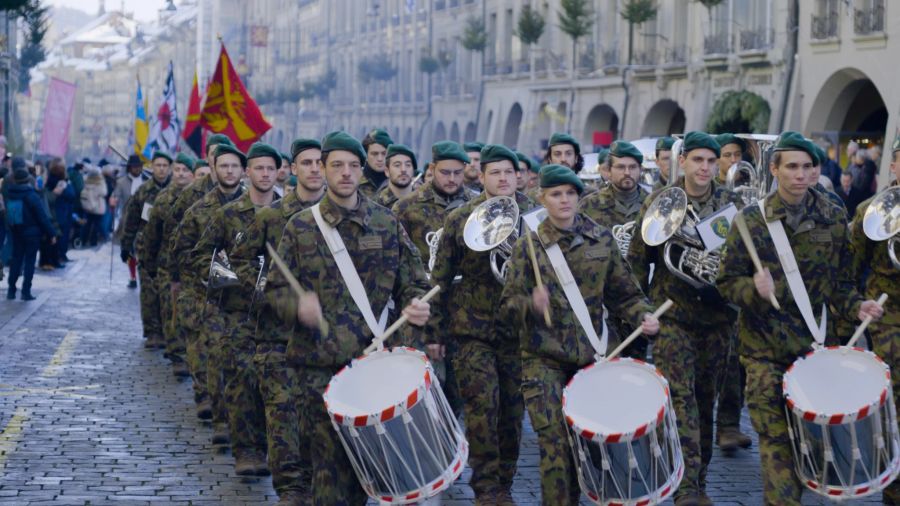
(88, 417)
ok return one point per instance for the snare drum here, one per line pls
(623, 433)
(841, 421)
(390, 414)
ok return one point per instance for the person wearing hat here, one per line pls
(731, 151)
(381, 254)
(552, 355)
(563, 149)
(155, 250)
(620, 201)
(136, 216)
(284, 172)
(126, 186)
(472, 174)
(486, 362)
(27, 222)
(401, 167)
(93, 203)
(375, 144)
(663, 160)
(693, 346)
(772, 339)
(531, 173)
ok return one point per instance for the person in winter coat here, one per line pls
(62, 197)
(93, 202)
(28, 221)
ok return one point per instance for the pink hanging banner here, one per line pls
(57, 117)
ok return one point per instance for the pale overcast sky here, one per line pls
(144, 10)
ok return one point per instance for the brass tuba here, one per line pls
(670, 220)
(494, 226)
(882, 221)
(752, 182)
(220, 273)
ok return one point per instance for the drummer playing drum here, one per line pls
(552, 354)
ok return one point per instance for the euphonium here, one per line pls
(751, 182)
(220, 273)
(494, 226)
(882, 221)
(433, 239)
(623, 234)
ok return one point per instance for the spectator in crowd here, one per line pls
(93, 203)
(830, 167)
(62, 197)
(109, 175)
(126, 186)
(856, 181)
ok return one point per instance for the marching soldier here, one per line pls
(771, 340)
(693, 346)
(472, 173)
(487, 361)
(389, 267)
(563, 149)
(284, 172)
(531, 173)
(732, 151)
(136, 215)
(374, 178)
(551, 356)
(663, 160)
(401, 167)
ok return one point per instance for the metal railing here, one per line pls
(869, 19)
(676, 55)
(757, 39)
(644, 58)
(718, 43)
(824, 26)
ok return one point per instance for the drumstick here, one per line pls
(865, 323)
(748, 242)
(634, 335)
(400, 321)
(295, 285)
(537, 275)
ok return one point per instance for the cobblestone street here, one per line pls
(87, 416)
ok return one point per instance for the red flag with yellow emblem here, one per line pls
(229, 109)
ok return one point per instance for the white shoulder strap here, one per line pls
(793, 276)
(576, 301)
(351, 276)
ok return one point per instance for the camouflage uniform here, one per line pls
(226, 231)
(386, 198)
(389, 267)
(882, 278)
(693, 345)
(771, 340)
(133, 240)
(368, 187)
(474, 186)
(487, 362)
(551, 356)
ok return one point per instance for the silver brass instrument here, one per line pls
(220, 273)
(433, 239)
(623, 234)
(752, 181)
(669, 220)
(494, 226)
(882, 221)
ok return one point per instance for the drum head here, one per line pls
(376, 382)
(835, 381)
(615, 397)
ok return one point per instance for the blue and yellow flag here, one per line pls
(141, 126)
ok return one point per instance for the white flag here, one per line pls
(166, 129)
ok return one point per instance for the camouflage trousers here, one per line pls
(243, 401)
(173, 339)
(446, 374)
(766, 405)
(188, 308)
(288, 440)
(692, 359)
(489, 383)
(886, 344)
(214, 330)
(731, 396)
(150, 310)
(542, 386)
(334, 482)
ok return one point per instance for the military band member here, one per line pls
(136, 215)
(663, 160)
(401, 168)
(487, 362)
(732, 151)
(284, 172)
(472, 173)
(621, 200)
(374, 178)
(551, 356)
(389, 267)
(771, 340)
(563, 149)
(694, 344)
(531, 173)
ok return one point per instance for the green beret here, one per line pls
(301, 145)
(284, 156)
(218, 139)
(700, 140)
(199, 163)
(400, 149)
(724, 139)
(161, 154)
(622, 149)
(664, 144)
(555, 175)
(602, 156)
(794, 141)
(896, 145)
(342, 141)
(561, 138)
(496, 152)
(380, 136)
(820, 154)
(292, 181)
(473, 147)
(185, 160)
(448, 150)
(262, 150)
(225, 149)
(532, 165)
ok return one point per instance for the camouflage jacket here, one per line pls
(524, 201)
(474, 186)
(424, 211)
(156, 240)
(692, 306)
(135, 218)
(821, 248)
(192, 226)
(607, 210)
(386, 260)
(188, 197)
(386, 198)
(602, 275)
(872, 256)
(368, 188)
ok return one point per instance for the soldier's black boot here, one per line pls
(26, 295)
(11, 293)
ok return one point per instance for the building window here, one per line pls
(868, 16)
(752, 19)
(718, 39)
(825, 20)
